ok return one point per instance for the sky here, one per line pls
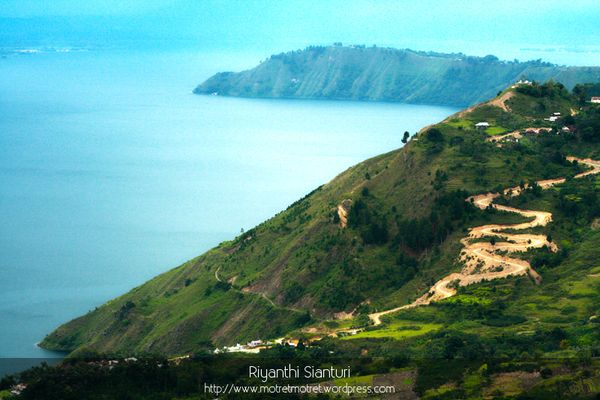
(558, 31)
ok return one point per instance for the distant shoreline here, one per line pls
(325, 99)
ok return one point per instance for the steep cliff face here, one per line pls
(404, 215)
(383, 74)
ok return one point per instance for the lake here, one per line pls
(112, 171)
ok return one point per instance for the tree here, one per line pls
(434, 135)
(405, 137)
(580, 93)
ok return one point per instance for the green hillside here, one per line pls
(386, 74)
(406, 214)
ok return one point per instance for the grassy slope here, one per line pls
(301, 259)
(383, 74)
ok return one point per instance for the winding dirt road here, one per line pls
(481, 259)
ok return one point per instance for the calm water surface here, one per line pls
(111, 172)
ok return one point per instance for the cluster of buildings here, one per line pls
(255, 346)
(553, 118)
(522, 82)
(564, 129)
(518, 134)
(238, 348)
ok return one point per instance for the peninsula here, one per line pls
(386, 74)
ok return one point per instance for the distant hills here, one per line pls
(386, 74)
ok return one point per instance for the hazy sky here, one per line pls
(505, 28)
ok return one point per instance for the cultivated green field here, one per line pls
(396, 330)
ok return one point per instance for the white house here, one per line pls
(595, 99)
(522, 82)
(482, 125)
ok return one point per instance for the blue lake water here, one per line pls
(112, 171)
